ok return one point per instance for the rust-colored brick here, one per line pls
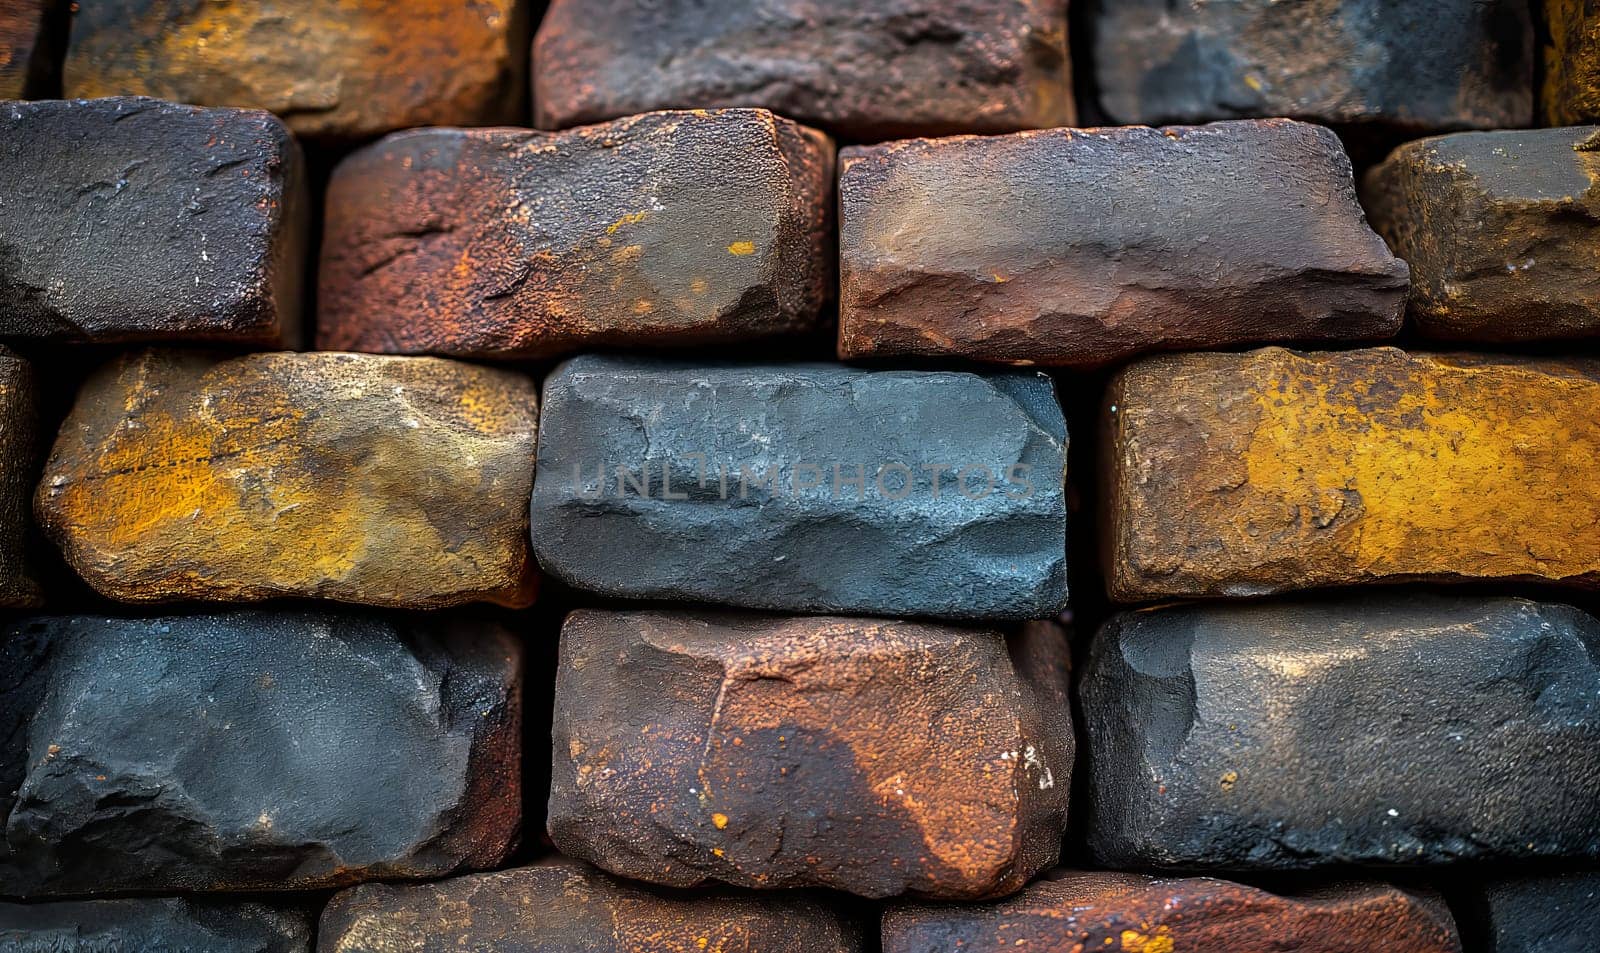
(561, 905)
(873, 756)
(1128, 913)
(1245, 474)
(863, 71)
(333, 69)
(26, 57)
(1499, 231)
(1571, 93)
(389, 481)
(1082, 247)
(19, 460)
(670, 228)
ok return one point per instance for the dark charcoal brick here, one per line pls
(133, 219)
(917, 547)
(1499, 229)
(871, 756)
(1127, 913)
(1084, 247)
(1410, 64)
(864, 71)
(1555, 913)
(669, 228)
(253, 751)
(336, 70)
(1408, 729)
(152, 926)
(563, 907)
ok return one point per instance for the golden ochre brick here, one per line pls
(333, 69)
(389, 481)
(1571, 92)
(1243, 474)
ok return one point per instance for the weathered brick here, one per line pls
(860, 70)
(19, 460)
(1077, 912)
(1411, 64)
(333, 69)
(1571, 92)
(1396, 730)
(872, 756)
(732, 484)
(1083, 247)
(1244, 474)
(392, 481)
(254, 750)
(133, 219)
(1552, 913)
(559, 905)
(1499, 231)
(669, 228)
(27, 58)
(169, 925)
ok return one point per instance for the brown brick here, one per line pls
(333, 69)
(872, 756)
(389, 481)
(1128, 913)
(864, 71)
(26, 56)
(19, 451)
(1244, 474)
(1571, 92)
(1081, 247)
(668, 228)
(561, 905)
(134, 219)
(1499, 230)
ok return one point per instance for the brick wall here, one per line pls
(476, 476)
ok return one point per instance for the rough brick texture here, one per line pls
(1084, 247)
(1571, 92)
(862, 71)
(19, 461)
(1499, 229)
(876, 757)
(732, 484)
(1408, 730)
(253, 751)
(559, 906)
(333, 69)
(664, 229)
(390, 481)
(1412, 64)
(1554, 913)
(1079, 912)
(133, 219)
(1244, 474)
(169, 925)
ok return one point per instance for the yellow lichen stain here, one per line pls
(1159, 941)
(627, 253)
(702, 942)
(643, 307)
(718, 851)
(632, 218)
(721, 820)
(742, 248)
(1229, 779)
(699, 286)
(1253, 81)
(1417, 465)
